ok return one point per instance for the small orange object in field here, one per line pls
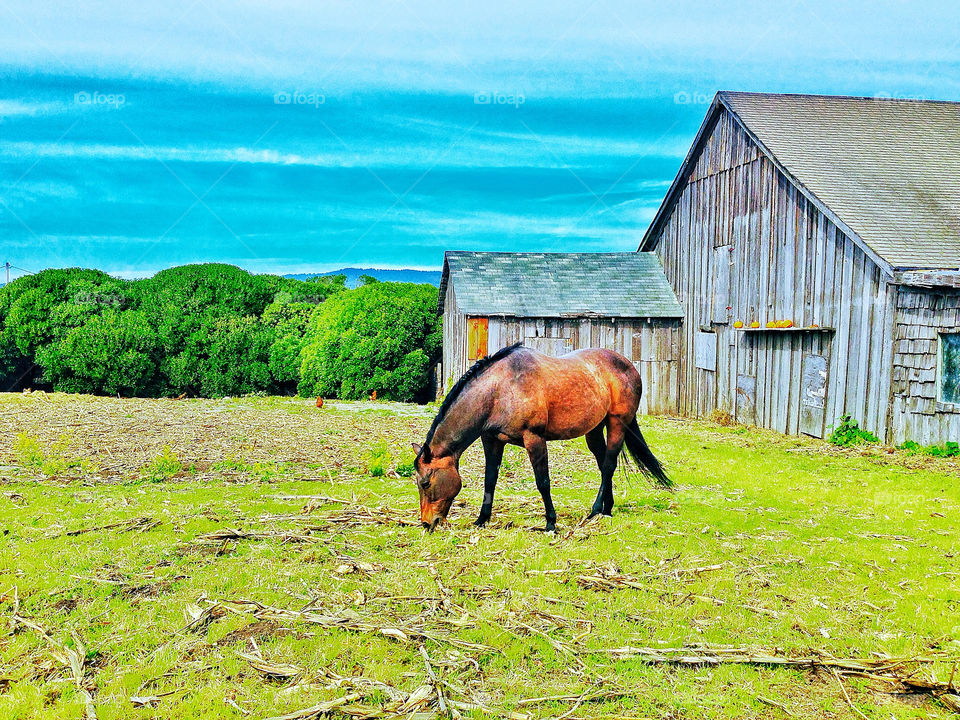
(319, 402)
(373, 395)
(738, 324)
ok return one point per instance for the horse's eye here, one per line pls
(425, 483)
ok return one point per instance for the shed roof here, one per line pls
(887, 169)
(625, 284)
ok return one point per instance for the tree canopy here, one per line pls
(215, 330)
(381, 337)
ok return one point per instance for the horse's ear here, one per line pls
(417, 448)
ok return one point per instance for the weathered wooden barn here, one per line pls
(837, 217)
(560, 302)
(842, 216)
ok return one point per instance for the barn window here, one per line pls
(722, 260)
(949, 368)
(705, 351)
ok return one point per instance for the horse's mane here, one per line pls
(471, 374)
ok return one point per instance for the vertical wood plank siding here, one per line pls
(787, 262)
(454, 341)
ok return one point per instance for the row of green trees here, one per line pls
(214, 330)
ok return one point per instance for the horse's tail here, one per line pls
(646, 461)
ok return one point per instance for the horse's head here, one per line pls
(438, 480)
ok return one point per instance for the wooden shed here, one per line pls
(842, 216)
(561, 302)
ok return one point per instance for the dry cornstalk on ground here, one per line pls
(358, 515)
(610, 579)
(432, 699)
(440, 694)
(72, 658)
(227, 534)
(901, 672)
(400, 631)
(138, 524)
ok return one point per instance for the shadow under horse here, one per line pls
(523, 397)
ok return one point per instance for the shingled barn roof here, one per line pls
(887, 170)
(626, 284)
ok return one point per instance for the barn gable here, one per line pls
(884, 171)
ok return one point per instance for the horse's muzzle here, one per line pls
(432, 525)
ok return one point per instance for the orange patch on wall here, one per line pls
(476, 338)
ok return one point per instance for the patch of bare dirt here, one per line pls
(260, 631)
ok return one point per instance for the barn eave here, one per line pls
(444, 281)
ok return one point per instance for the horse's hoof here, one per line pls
(480, 522)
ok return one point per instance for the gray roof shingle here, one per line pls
(888, 169)
(624, 284)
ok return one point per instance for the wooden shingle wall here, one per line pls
(916, 413)
(743, 243)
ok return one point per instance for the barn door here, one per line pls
(746, 403)
(813, 394)
(705, 358)
(476, 338)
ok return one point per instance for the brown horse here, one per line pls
(522, 397)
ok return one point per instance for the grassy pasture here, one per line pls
(234, 558)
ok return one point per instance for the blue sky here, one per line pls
(305, 136)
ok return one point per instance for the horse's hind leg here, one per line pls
(615, 437)
(596, 443)
(536, 448)
(598, 446)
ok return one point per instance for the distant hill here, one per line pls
(431, 277)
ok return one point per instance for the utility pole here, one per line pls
(6, 266)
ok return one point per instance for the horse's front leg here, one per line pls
(537, 450)
(493, 454)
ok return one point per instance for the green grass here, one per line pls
(163, 467)
(53, 460)
(379, 460)
(848, 553)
